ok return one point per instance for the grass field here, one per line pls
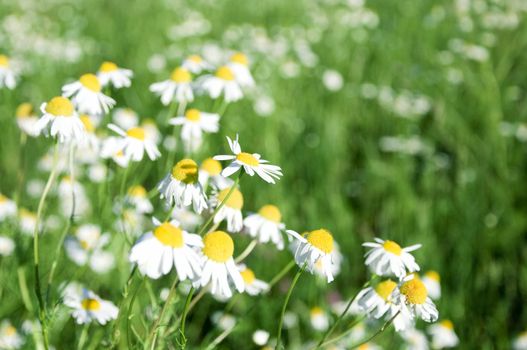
(404, 120)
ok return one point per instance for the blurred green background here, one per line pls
(444, 79)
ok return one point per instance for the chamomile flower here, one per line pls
(187, 218)
(253, 286)
(7, 207)
(266, 225)
(110, 73)
(87, 96)
(319, 319)
(520, 342)
(67, 190)
(178, 88)
(388, 258)
(112, 148)
(85, 247)
(60, 119)
(7, 74)
(7, 246)
(444, 336)
(210, 174)
(414, 302)
(125, 118)
(251, 163)
(27, 221)
(415, 339)
(9, 336)
(239, 65)
(88, 306)
(260, 337)
(218, 265)
(157, 252)
(317, 247)
(135, 143)
(195, 64)
(151, 130)
(138, 197)
(181, 187)
(231, 211)
(375, 301)
(432, 282)
(26, 119)
(194, 124)
(222, 83)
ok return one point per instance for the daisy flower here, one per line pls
(7, 74)
(87, 96)
(195, 64)
(319, 319)
(195, 123)
(316, 248)
(65, 189)
(266, 225)
(60, 119)
(90, 144)
(376, 301)
(415, 339)
(239, 65)
(260, 337)
(88, 306)
(178, 88)
(138, 197)
(432, 283)
(112, 148)
(26, 119)
(413, 300)
(520, 342)
(7, 246)
(9, 336)
(251, 163)
(167, 247)
(223, 82)
(135, 143)
(210, 170)
(7, 207)
(444, 336)
(231, 209)
(253, 286)
(151, 130)
(182, 188)
(218, 265)
(110, 73)
(388, 258)
(85, 247)
(187, 218)
(27, 221)
(125, 118)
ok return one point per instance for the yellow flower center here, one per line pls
(415, 291)
(108, 67)
(84, 244)
(186, 170)
(91, 304)
(60, 106)
(137, 191)
(195, 58)
(271, 213)
(3, 198)
(447, 324)
(24, 110)
(4, 61)
(225, 73)
(247, 158)
(248, 276)
(10, 330)
(211, 166)
(392, 247)
(26, 214)
(136, 133)
(321, 239)
(180, 75)
(218, 246)
(193, 115)
(316, 311)
(88, 124)
(433, 275)
(240, 58)
(385, 288)
(169, 235)
(90, 82)
(235, 200)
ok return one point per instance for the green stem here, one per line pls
(36, 233)
(153, 332)
(345, 333)
(83, 337)
(116, 331)
(247, 251)
(284, 307)
(183, 340)
(281, 273)
(342, 314)
(384, 326)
